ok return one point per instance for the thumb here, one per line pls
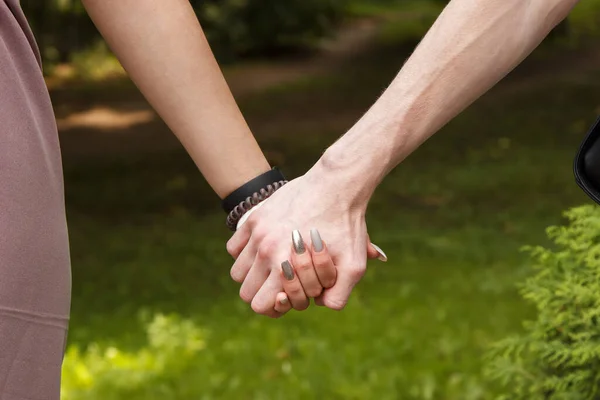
(348, 275)
(373, 251)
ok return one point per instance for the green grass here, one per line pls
(148, 238)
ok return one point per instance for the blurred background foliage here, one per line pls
(235, 28)
(557, 357)
(155, 314)
(240, 29)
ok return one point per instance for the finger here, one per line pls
(259, 271)
(265, 300)
(282, 303)
(272, 314)
(243, 263)
(321, 259)
(239, 240)
(374, 251)
(349, 274)
(248, 255)
(253, 282)
(303, 265)
(246, 228)
(293, 288)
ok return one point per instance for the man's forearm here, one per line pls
(472, 45)
(162, 47)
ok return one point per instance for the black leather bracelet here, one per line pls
(251, 187)
(245, 206)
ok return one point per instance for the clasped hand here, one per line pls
(306, 241)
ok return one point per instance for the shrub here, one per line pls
(61, 27)
(558, 355)
(250, 27)
(156, 371)
(234, 27)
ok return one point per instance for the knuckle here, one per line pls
(327, 276)
(295, 291)
(283, 309)
(357, 272)
(301, 306)
(236, 274)
(245, 295)
(321, 265)
(314, 292)
(259, 232)
(328, 282)
(231, 248)
(252, 221)
(267, 249)
(336, 304)
(261, 308)
(303, 266)
(321, 259)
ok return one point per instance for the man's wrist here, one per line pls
(361, 159)
(353, 184)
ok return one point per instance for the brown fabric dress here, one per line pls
(35, 280)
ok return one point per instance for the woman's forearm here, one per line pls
(162, 47)
(472, 45)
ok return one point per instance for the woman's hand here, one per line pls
(261, 245)
(309, 272)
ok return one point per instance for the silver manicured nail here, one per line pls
(382, 256)
(298, 242)
(288, 271)
(284, 300)
(317, 242)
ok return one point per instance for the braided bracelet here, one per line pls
(250, 202)
(249, 188)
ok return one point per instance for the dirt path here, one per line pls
(349, 40)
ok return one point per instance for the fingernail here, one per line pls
(298, 242)
(382, 256)
(283, 300)
(288, 271)
(317, 242)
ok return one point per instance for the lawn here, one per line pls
(148, 237)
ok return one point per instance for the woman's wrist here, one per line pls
(248, 196)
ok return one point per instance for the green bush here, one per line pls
(250, 27)
(61, 27)
(235, 28)
(558, 356)
(160, 370)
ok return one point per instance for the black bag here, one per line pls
(587, 163)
